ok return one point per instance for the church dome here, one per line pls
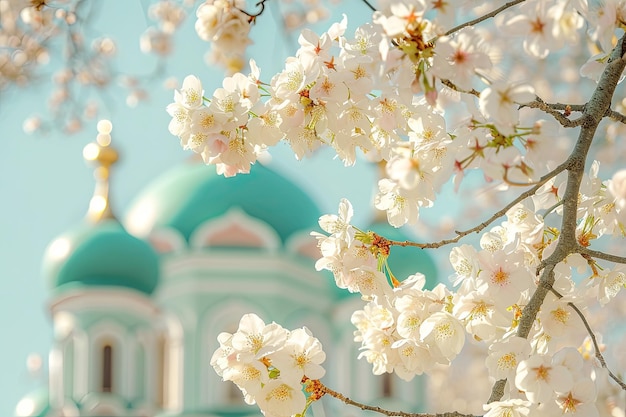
(191, 194)
(101, 254)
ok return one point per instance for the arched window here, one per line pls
(234, 396)
(68, 366)
(387, 385)
(162, 371)
(107, 368)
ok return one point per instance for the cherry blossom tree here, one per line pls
(433, 90)
(526, 93)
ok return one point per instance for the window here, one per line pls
(162, 371)
(107, 368)
(234, 395)
(387, 385)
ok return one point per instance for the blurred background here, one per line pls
(45, 183)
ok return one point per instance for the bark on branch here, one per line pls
(592, 114)
(390, 413)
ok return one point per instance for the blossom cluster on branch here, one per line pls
(428, 99)
(270, 364)
(350, 94)
(55, 40)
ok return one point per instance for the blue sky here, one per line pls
(46, 185)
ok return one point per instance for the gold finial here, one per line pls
(103, 156)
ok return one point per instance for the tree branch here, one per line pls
(454, 87)
(552, 208)
(617, 116)
(484, 17)
(593, 113)
(494, 217)
(554, 108)
(253, 16)
(566, 107)
(596, 347)
(497, 391)
(561, 118)
(601, 255)
(368, 4)
(379, 410)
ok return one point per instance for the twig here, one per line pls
(253, 16)
(615, 115)
(368, 4)
(497, 391)
(379, 410)
(551, 109)
(484, 17)
(601, 255)
(565, 107)
(561, 118)
(592, 335)
(552, 208)
(554, 108)
(454, 87)
(481, 226)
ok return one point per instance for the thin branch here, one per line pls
(567, 107)
(497, 391)
(253, 16)
(617, 116)
(454, 87)
(612, 114)
(592, 335)
(552, 208)
(538, 103)
(484, 17)
(379, 410)
(551, 109)
(601, 255)
(494, 217)
(368, 4)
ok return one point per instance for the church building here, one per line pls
(136, 304)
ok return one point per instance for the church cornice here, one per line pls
(95, 298)
(242, 260)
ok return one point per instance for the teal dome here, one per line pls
(192, 193)
(101, 254)
(405, 261)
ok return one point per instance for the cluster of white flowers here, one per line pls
(407, 330)
(381, 91)
(349, 94)
(270, 364)
(227, 28)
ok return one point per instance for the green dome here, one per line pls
(405, 261)
(192, 193)
(101, 254)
